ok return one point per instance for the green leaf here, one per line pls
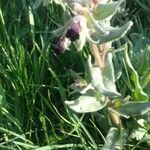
(62, 30)
(134, 109)
(61, 146)
(141, 135)
(25, 145)
(146, 81)
(143, 66)
(114, 33)
(144, 6)
(82, 40)
(103, 11)
(2, 97)
(138, 93)
(98, 26)
(108, 73)
(16, 135)
(85, 104)
(11, 118)
(115, 140)
(31, 20)
(37, 4)
(46, 2)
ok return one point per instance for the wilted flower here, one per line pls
(62, 45)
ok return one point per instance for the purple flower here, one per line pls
(74, 32)
(75, 29)
(62, 45)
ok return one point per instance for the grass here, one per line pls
(34, 80)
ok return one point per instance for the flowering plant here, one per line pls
(91, 21)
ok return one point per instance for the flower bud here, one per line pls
(62, 45)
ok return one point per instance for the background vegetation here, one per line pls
(34, 80)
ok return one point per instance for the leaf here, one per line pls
(114, 34)
(139, 94)
(134, 109)
(140, 134)
(31, 20)
(82, 39)
(103, 11)
(145, 7)
(2, 97)
(115, 141)
(46, 2)
(81, 89)
(146, 81)
(78, 77)
(11, 118)
(143, 66)
(16, 135)
(108, 73)
(25, 145)
(37, 4)
(67, 16)
(61, 146)
(80, 85)
(117, 65)
(85, 104)
(61, 88)
(98, 26)
(103, 81)
(62, 30)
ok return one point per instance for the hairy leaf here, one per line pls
(103, 80)
(139, 94)
(115, 140)
(86, 104)
(134, 108)
(114, 34)
(103, 11)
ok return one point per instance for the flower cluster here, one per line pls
(90, 22)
